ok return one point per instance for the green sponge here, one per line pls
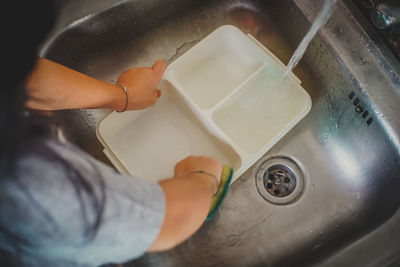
(216, 201)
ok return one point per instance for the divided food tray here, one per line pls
(223, 98)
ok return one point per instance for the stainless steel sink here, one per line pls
(347, 148)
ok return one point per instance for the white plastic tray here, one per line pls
(222, 98)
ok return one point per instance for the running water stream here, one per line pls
(321, 19)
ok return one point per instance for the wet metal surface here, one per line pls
(350, 199)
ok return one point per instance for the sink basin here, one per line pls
(347, 148)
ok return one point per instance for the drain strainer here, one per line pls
(279, 180)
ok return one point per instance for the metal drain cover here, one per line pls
(279, 180)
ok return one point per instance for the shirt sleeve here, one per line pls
(64, 195)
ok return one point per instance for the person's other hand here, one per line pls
(141, 85)
(194, 164)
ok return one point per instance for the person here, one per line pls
(58, 205)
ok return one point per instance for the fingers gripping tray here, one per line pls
(223, 98)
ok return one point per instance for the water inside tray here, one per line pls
(260, 110)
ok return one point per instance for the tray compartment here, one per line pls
(262, 111)
(149, 143)
(216, 66)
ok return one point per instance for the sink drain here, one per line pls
(279, 180)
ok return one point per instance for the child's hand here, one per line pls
(198, 164)
(141, 85)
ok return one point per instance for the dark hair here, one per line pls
(28, 23)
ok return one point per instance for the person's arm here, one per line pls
(52, 86)
(188, 198)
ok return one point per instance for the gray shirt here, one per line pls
(44, 206)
